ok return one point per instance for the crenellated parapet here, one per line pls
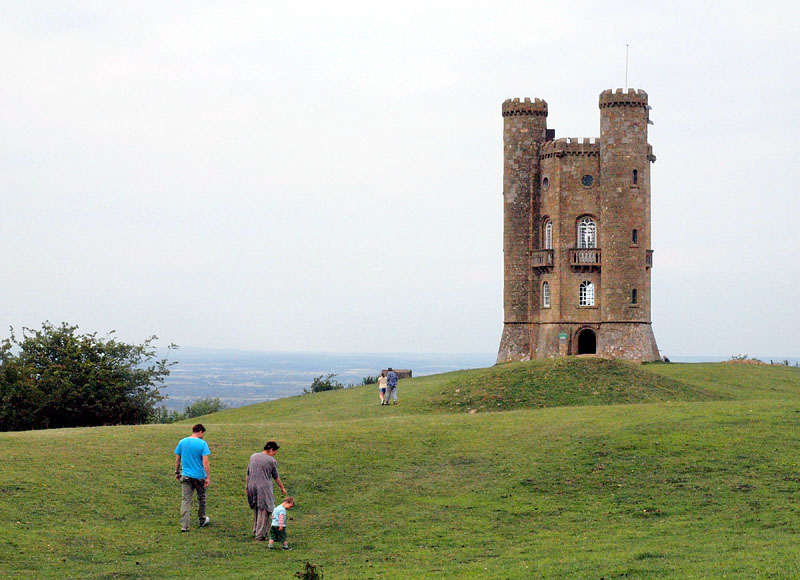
(526, 106)
(569, 146)
(620, 98)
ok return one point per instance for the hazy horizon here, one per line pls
(202, 349)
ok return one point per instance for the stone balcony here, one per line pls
(585, 259)
(542, 260)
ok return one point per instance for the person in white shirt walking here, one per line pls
(382, 386)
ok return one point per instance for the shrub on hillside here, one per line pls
(199, 407)
(743, 358)
(324, 383)
(163, 415)
(55, 377)
(204, 407)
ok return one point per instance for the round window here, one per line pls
(587, 180)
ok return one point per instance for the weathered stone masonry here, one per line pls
(576, 240)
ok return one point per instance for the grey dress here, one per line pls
(261, 470)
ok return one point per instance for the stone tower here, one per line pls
(576, 238)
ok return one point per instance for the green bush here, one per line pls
(55, 377)
(324, 383)
(164, 415)
(204, 407)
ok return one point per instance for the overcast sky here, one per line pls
(327, 176)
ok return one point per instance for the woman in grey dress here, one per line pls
(262, 470)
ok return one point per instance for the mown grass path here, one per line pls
(700, 480)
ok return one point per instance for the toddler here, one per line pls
(277, 532)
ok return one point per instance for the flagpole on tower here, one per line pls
(626, 66)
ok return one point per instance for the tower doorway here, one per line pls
(587, 342)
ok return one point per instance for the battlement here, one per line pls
(618, 98)
(569, 146)
(513, 107)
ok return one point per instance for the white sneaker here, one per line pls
(205, 522)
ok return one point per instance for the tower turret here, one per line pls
(624, 228)
(524, 128)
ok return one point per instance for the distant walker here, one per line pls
(391, 387)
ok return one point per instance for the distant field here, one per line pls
(583, 468)
(242, 378)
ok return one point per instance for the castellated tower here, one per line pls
(576, 240)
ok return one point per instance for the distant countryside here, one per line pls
(241, 378)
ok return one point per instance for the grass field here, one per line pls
(571, 469)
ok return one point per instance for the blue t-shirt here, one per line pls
(391, 379)
(192, 450)
(277, 520)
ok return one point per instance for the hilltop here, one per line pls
(528, 385)
(576, 468)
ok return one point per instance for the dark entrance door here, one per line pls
(587, 342)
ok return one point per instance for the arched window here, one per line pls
(635, 237)
(586, 294)
(635, 177)
(548, 235)
(587, 233)
(545, 295)
(634, 296)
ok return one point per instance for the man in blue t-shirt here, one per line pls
(192, 470)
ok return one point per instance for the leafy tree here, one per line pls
(204, 407)
(59, 378)
(369, 380)
(20, 396)
(324, 383)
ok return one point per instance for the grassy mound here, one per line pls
(564, 382)
(534, 384)
(662, 490)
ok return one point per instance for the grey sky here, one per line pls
(328, 176)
